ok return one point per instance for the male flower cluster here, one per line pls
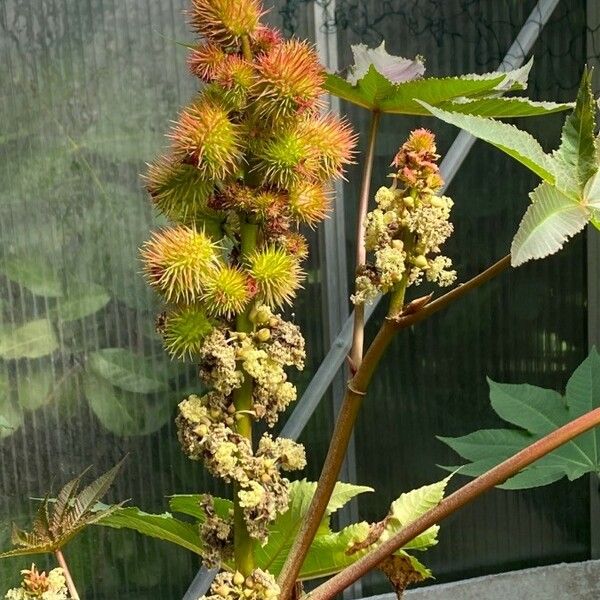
(259, 585)
(411, 222)
(262, 491)
(39, 585)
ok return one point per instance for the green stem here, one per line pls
(68, 578)
(242, 399)
(355, 392)
(246, 50)
(358, 333)
(455, 501)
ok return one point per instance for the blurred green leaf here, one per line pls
(32, 340)
(33, 387)
(33, 273)
(128, 371)
(127, 413)
(89, 299)
(11, 416)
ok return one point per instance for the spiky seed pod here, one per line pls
(309, 202)
(286, 159)
(179, 190)
(290, 79)
(205, 136)
(225, 22)
(236, 77)
(205, 60)
(262, 203)
(277, 274)
(177, 261)
(332, 143)
(227, 291)
(294, 243)
(184, 331)
(264, 39)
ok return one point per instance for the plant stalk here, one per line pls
(68, 578)
(455, 501)
(358, 334)
(242, 400)
(355, 392)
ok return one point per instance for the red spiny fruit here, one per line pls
(206, 137)
(205, 60)
(290, 79)
(332, 142)
(264, 39)
(225, 22)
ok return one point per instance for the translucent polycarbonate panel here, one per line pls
(87, 89)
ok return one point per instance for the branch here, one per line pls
(69, 580)
(355, 392)
(358, 334)
(458, 499)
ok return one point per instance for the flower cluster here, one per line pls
(404, 233)
(251, 160)
(259, 585)
(207, 434)
(39, 585)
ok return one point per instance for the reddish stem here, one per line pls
(458, 499)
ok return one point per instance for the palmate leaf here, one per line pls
(569, 196)
(58, 521)
(517, 143)
(284, 529)
(163, 527)
(536, 412)
(577, 150)
(330, 551)
(392, 84)
(550, 220)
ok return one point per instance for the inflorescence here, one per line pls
(51, 586)
(404, 233)
(252, 158)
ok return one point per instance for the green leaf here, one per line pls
(501, 107)
(189, 504)
(519, 144)
(284, 529)
(33, 387)
(163, 527)
(32, 340)
(90, 299)
(128, 371)
(126, 413)
(578, 145)
(34, 274)
(551, 219)
(375, 92)
(332, 551)
(11, 416)
(411, 506)
(536, 412)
